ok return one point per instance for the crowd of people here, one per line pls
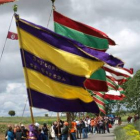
(131, 119)
(61, 130)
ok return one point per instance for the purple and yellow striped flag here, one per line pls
(56, 67)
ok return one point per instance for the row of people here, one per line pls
(60, 130)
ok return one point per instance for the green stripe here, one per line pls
(100, 98)
(88, 40)
(110, 101)
(110, 88)
(101, 106)
(99, 75)
(112, 83)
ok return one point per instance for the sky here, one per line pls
(119, 19)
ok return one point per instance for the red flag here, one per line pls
(6, 1)
(12, 36)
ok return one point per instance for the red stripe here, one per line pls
(102, 110)
(113, 97)
(120, 82)
(111, 78)
(98, 101)
(114, 72)
(65, 21)
(95, 85)
(99, 94)
(130, 71)
(111, 86)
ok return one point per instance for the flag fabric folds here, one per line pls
(66, 25)
(76, 31)
(99, 99)
(12, 36)
(120, 75)
(6, 1)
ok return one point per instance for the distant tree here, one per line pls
(46, 115)
(11, 113)
(132, 91)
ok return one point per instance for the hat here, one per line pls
(65, 123)
(22, 125)
(37, 124)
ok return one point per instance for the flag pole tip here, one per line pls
(15, 7)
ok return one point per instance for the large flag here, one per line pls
(56, 67)
(12, 36)
(76, 31)
(6, 1)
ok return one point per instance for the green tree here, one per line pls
(132, 91)
(46, 115)
(11, 113)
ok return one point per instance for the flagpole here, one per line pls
(25, 71)
(6, 39)
(58, 122)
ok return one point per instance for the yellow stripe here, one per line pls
(66, 61)
(50, 87)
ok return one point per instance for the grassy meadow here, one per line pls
(4, 121)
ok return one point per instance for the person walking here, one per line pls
(18, 133)
(52, 133)
(73, 131)
(45, 131)
(41, 136)
(10, 134)
(33, 133)
(65, 131)
(107, 125)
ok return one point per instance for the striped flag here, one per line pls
(114, 76)
(65, 24)
(120, 75)
(100, 101)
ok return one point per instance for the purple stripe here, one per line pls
(50, 103)
(51, 71)
(67, 44)
(53, 39)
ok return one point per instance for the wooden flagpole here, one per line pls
(58, 120)
(25, 71)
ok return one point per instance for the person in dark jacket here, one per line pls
(45, 131)
(65, 131)
(40, 135)
(18, 134)
(57, 130)
(25, 132)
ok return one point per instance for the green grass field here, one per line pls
(4, 121)
(27, 120)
